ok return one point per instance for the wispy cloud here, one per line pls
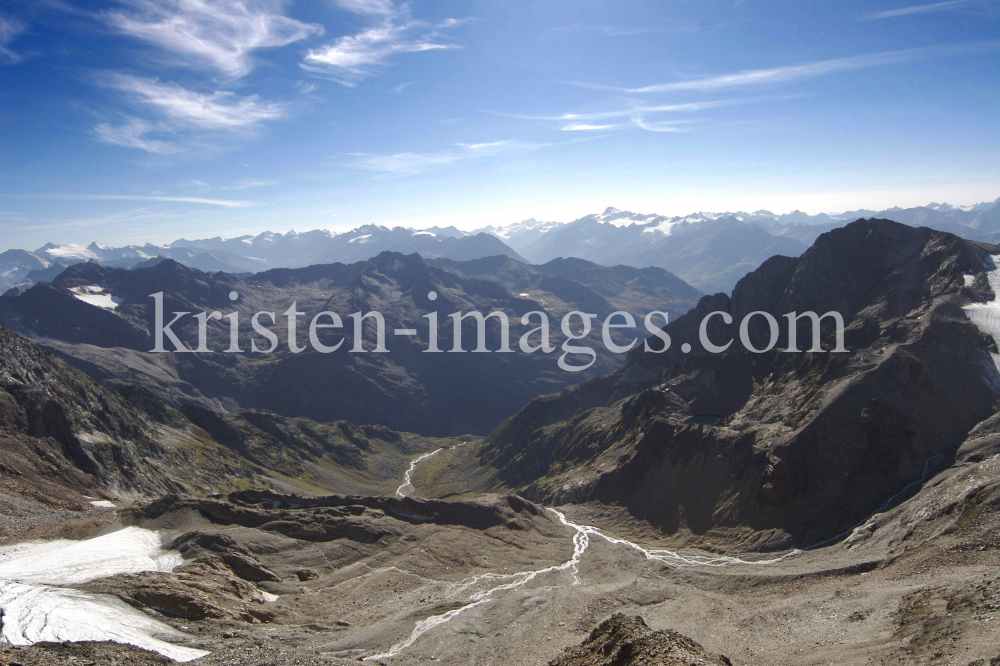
(184, 108)
(383, 7)
(809, 70)
(586, 127)
(134, 134)
(916, 9)
(353, 58)
(663, 125)
(398, 90)
(179, 112)
(10, 28)
(248, 183)
(219, 33)
(645, 109)
(415, 162)
(136, 197)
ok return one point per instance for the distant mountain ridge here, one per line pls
(248, 255)
(710, 251)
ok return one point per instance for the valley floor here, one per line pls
(485, 579)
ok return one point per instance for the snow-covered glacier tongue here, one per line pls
(35, 613)
(32, 609)
(65, 562)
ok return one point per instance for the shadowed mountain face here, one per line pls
(803, 445)
(61, 429)
(101, 319)
(63, 435)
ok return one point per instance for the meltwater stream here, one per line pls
(32, 609)
(406, 487)
(581, 541)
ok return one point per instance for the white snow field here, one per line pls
(95, 295)
(64, 562)
(33, 611)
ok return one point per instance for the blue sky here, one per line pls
(149, 120)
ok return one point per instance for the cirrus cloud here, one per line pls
(217, 33)
(352, 58)
(180, 112)
(10, 28)
(189, 109)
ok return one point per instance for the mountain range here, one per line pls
(101, 318)
(710, 251)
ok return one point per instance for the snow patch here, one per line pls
(423, 233)
(665, 227)
(97, 296)
(102, 504)
(360, 239)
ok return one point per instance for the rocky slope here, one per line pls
(68, 440)
(803, 445)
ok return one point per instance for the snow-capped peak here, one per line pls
(67, 251)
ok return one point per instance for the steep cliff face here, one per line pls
(776, 449)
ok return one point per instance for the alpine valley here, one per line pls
(663, 506)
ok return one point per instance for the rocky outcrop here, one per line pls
(205, 589)
(62, 420)
(356, 518)
(210, 547)
(627, 641)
